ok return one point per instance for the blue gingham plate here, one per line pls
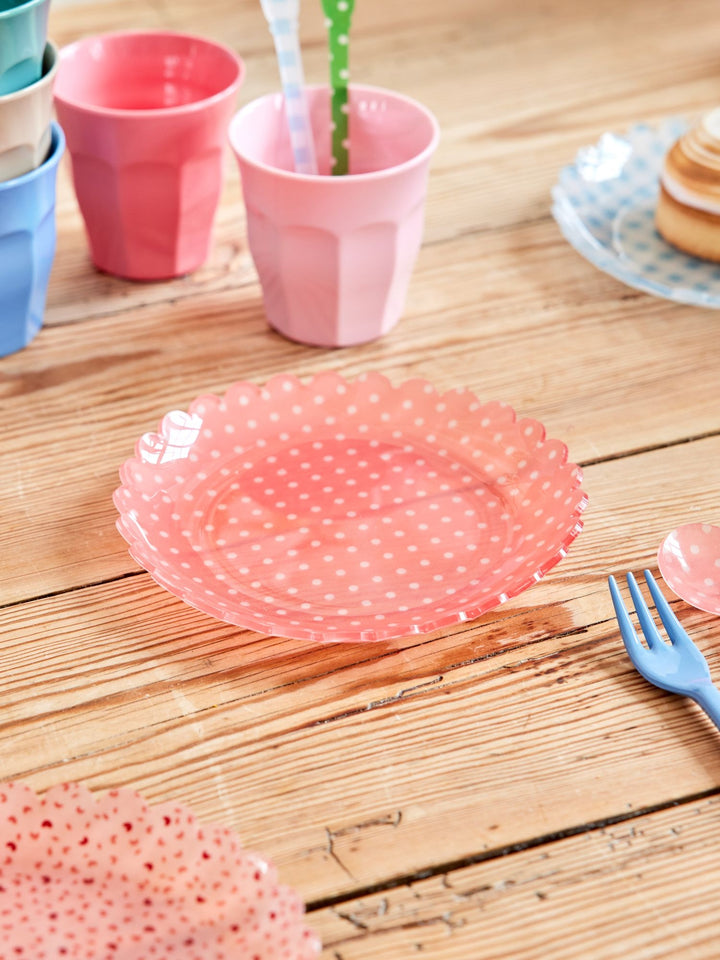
(604, 204)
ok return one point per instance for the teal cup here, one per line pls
(23, 34)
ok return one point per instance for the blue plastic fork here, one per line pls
(677, 666)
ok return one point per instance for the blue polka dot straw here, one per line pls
(338, 14)
(282, 17)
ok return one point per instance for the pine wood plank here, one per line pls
(644, 888)
(351, 778)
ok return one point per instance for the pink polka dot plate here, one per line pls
(112, 878)
(347, 510)
(689, 562)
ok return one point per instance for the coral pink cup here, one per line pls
(145, 115)
(335, 254)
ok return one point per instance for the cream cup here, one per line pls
(25, 116)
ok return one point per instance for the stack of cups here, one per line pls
(30, 147)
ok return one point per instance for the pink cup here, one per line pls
(335, 254)
(145, 115)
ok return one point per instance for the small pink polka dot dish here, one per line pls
(85, 877)
(339, 510)
(689, 562)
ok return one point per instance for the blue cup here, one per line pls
(23, 34)
(27, 248)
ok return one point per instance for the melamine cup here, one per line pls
(145, 115)
(334, 254)
(25, 122)
(23, 34)
(27, 248)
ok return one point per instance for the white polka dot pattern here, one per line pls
(689, 562)
(111, 878)
(348, 510)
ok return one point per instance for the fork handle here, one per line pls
(708, 697)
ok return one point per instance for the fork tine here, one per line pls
(627, 630)
(677, 634)
(647, 623)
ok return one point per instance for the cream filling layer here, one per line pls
(688, 197)
(711, 122)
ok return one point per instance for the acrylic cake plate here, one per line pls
(604, 204)
(347, 510)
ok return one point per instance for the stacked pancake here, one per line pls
(688, 211)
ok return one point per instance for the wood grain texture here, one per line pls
(507, 787)
(609, 893)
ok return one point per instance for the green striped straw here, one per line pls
(338, 14)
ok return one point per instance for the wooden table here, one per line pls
(507, 787)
